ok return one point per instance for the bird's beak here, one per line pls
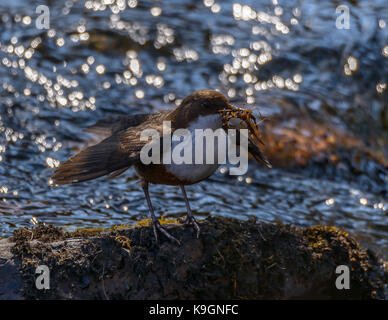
(255, 152)
(254, 138)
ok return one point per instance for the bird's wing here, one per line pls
(116, 123)
(112, 155)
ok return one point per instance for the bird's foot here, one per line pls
(158, 227)
(191, 220)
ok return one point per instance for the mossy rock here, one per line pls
(232, 259)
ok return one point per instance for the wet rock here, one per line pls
(232, 259)
(316, 149)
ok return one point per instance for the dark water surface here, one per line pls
(109, 57)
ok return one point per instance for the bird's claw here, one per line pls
(191, 220)
(158, 227)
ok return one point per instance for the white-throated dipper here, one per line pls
(204, 109)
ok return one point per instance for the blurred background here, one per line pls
(322, 89)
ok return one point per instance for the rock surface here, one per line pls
(232, 259)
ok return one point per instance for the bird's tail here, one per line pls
(93, 162)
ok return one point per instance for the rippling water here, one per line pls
(107, 57)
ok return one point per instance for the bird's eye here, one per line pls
(206, 104)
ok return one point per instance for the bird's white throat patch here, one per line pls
(199, 168)
(195, 152)
(212, 121)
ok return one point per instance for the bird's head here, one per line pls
(210, 102)
(202, 103)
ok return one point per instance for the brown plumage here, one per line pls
(113, 155)
(122, 145)
(121, 149)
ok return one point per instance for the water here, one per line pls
(324, 90)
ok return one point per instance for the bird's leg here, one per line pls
(190, 218)
(155, 221)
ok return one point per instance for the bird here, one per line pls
(122, 147)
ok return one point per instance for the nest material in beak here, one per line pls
(231, 114)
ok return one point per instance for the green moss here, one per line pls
(87, 232)
(148, 222)
(124, 241)
(320, 236)
(120, 227)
